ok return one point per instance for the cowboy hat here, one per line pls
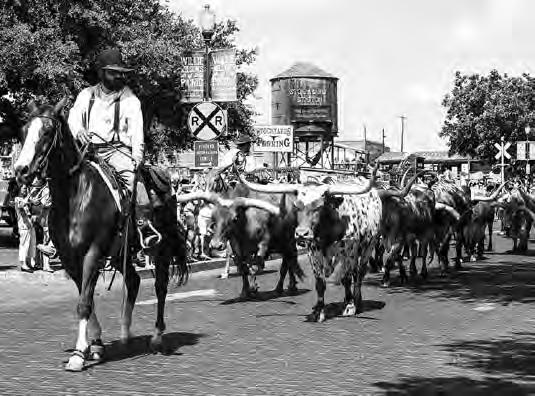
(111, 59)
(243, 139)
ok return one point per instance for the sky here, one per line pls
(392, 57)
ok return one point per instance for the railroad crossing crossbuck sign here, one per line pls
(502, 148)
(206, 121)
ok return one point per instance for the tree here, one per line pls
(482, 109)
(48, 48)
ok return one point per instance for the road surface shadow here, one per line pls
(511, 356)
(265, 296)
(336, 309)
(455, 386)
(140, 346)
(501, 282)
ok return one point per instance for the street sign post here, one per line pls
(206, 154)
(206, 121)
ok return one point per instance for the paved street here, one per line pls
(469, 333)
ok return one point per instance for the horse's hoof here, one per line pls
(75, 363)
(321, 317)
(473, 259)
(96, 353)
(350, 310)
(156, 343)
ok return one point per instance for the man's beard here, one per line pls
(114, 85)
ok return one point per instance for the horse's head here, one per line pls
(40, 136)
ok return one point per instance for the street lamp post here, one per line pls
(527, 129)
(207, 22)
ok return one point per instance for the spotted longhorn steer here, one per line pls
(339, 224)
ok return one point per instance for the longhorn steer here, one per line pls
(337, 230)
(255, 228)
(408, 218)
(518, 217)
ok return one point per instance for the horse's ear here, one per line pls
(32, 107)
(60, 105)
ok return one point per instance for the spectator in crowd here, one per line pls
(204, 220)
(26, 231)
(41, 202)
(240, 154)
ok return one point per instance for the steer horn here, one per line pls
(449, 209)
(268, 188)
(491, 197)
(391, 193)
(239, 201)
(256, 203)
(340, 189)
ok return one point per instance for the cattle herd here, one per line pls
(353, 227)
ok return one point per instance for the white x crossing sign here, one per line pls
(503, 148)
(206, 121)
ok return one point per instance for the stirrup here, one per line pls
(149, 241)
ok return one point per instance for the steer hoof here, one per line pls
(156, 343)
(279, 290)
(350, 310)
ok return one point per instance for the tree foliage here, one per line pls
(48, 49)
(481, 109)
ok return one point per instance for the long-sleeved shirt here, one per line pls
(102, 117)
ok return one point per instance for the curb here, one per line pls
(207, 265)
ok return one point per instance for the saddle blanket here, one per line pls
(114, 190)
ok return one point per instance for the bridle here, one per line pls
(43, 163)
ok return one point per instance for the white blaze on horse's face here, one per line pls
(27, 155)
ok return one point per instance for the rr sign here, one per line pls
(206, 121)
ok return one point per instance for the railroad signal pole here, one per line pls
(383, 140)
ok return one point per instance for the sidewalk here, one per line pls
(9, 269)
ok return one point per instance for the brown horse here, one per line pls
(84, 224)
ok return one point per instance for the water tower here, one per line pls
(306, 97)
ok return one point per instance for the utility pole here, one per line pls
(383, 140)
(403, 118)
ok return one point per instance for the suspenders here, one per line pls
(116, 116)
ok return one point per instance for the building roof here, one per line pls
(392, 157)
(429, 157)
(304, 69)
(442, 156)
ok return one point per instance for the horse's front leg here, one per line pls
(85, 307)
(161, 282)
(132, 280)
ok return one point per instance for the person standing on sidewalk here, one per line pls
(26, 231)
(41, 202)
